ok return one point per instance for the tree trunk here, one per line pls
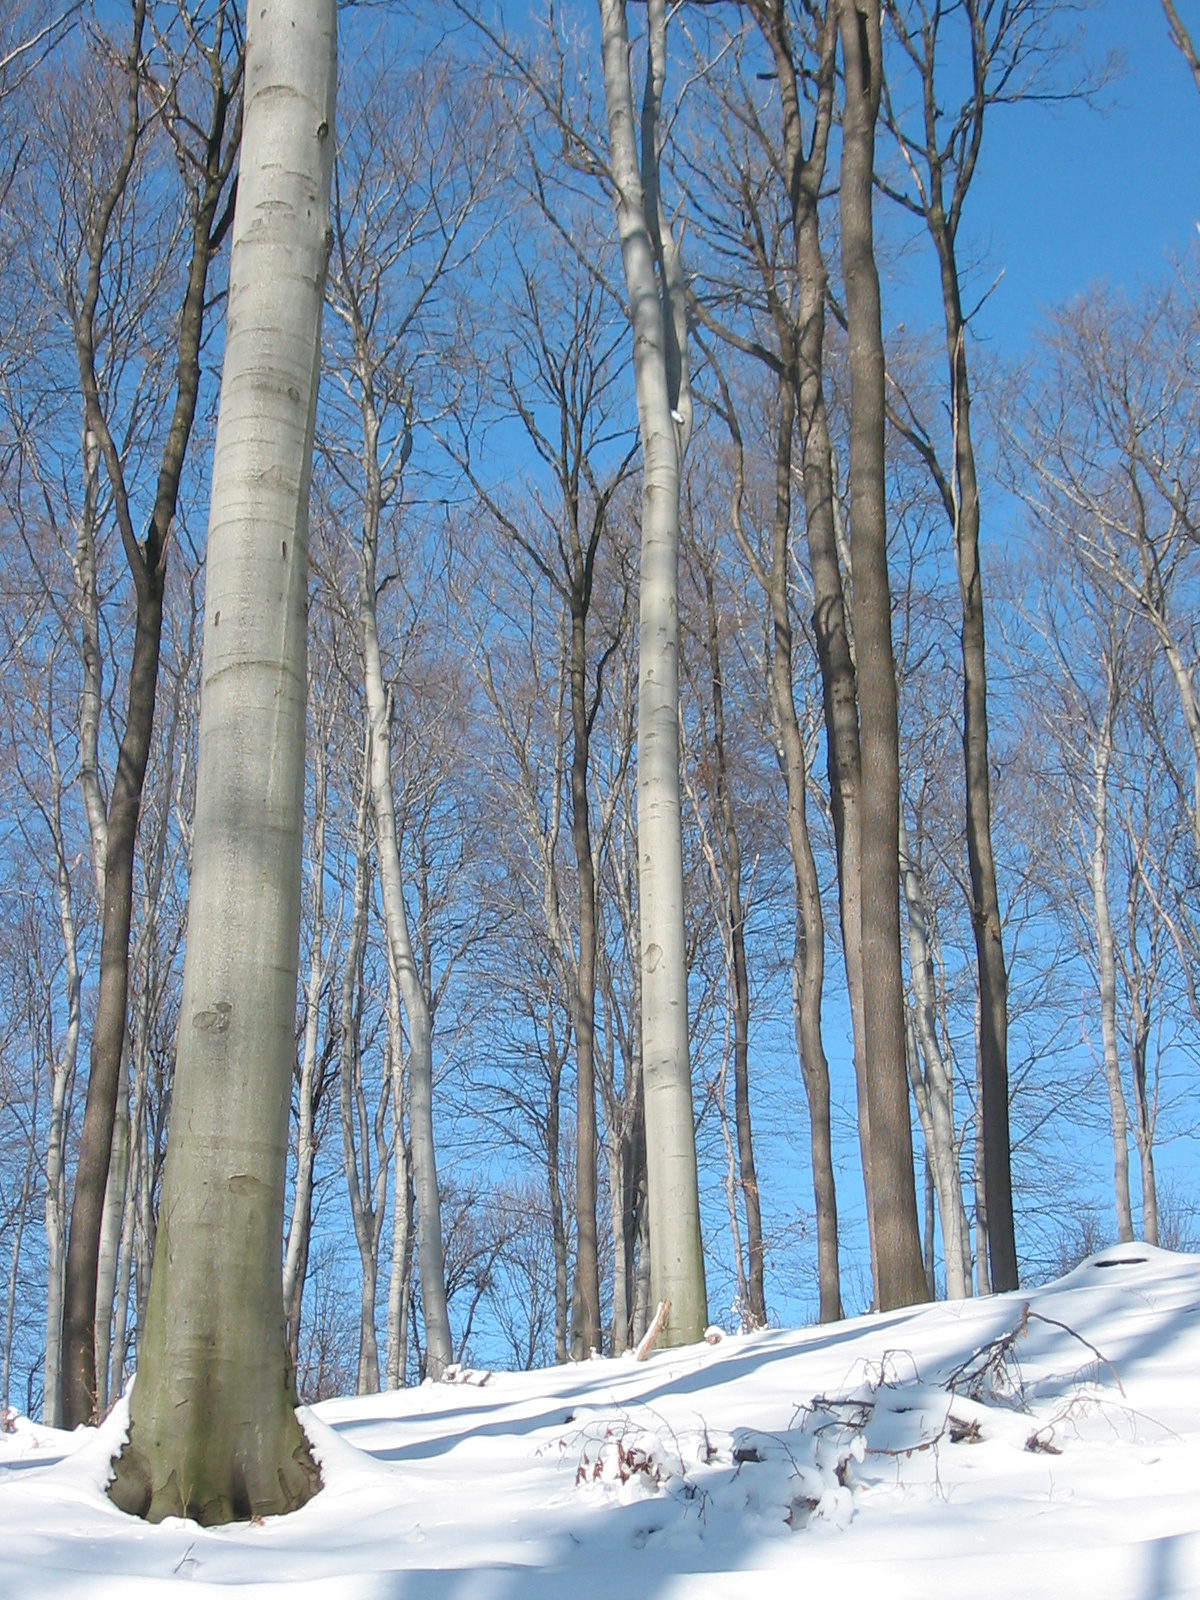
(112, 1227)
(1144, 1124)
(146, 559)
(664, 419)
(897, 1231)
(934, 1091)
(438, 1349)
(1106, 965)
(585, 1333)
(62, 1084)
(351, 1100)
(399, 1286)
(116, 1382)
(834, 655)
(558, 1225)
(295, 1264)
(983, 1281)
(985, 901)
(213, 1431)
(108, 1031)
(756, 1305)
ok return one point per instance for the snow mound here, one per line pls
(1041, 1444)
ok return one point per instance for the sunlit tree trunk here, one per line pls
(438, 1350)
(61, 1085)
(934, 1090)
(897, 1231)
(146, 557)
(654, 280)
(1107, 967)
(213, 1430)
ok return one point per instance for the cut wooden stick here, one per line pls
(653, 1331)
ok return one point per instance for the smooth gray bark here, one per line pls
(438, 1349)
(213, 1430)
(654, 280)
(1107, 967)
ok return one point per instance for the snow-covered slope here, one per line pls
(1030, 1445)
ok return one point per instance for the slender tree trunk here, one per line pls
(930, 1224)
(295, 1264)
(108, 1032)
(1101, 758)
(351, 1095)
(554, 1188)
(897, 1232)
(18, 1237)
(585, 1334)
(112, 1226)
(402, 1210)
(664, 417)
(756, 1304)
(985, 901)
(136, 1144)
(213, 1431)
(62, 1083)
(146, 559)
(983, 1281)
(805, 343)
(1144, 1125)
(438, 1348)
(934, 1091)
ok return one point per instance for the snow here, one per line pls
(1038, 1444)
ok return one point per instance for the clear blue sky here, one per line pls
(1068, 195)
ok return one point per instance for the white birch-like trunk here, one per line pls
(1107, 968)
(134, 1179)
(352, 1103)
(983, 1277)
(296, 1258)
(664, 419)
(439, 1353)
(399, 1286)
(213, 1431)
(934, 1092)
(112, 1224)
(61, 1087)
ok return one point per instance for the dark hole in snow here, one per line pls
(748, 1452)
(963, 1432)
(1122, 1261)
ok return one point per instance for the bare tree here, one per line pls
(654, 280)
(206, 155)
(897, 1236)
(213, 1431)
(1182, 39)
(765, 191)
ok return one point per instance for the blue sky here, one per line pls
(1068, 195)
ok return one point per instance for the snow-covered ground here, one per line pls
(1041, 1444)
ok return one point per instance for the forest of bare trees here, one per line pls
(697, 802)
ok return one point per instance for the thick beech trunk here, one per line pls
(213, 1431)
(897, 1231)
